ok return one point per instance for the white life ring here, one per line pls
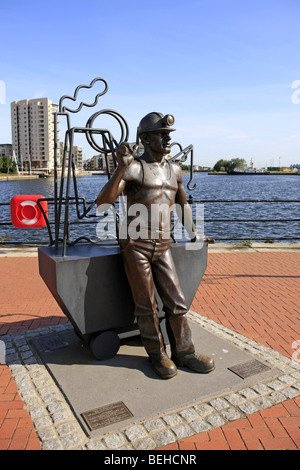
(29, 218)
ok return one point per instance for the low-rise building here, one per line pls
(6, 150)
(99, 163)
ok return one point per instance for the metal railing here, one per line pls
(191, 201)
(93, 218)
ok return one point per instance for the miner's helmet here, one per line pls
(155, 122)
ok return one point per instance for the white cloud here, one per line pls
(39, 94)
(237, 137)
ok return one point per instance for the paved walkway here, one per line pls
(252, 292)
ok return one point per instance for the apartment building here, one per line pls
(98, 162)
(77, 155)
(6, 150)
(32, 124)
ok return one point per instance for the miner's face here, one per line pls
(159, 142)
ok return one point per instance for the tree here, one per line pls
(7, 165)
(230, 165)
(185, 167)
(220, 165)
(239, 163)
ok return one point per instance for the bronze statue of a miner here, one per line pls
(153, 186)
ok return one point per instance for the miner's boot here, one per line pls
(153, 342)
(182, 347)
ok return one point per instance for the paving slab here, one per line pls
(128, 379)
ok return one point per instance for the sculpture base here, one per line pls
(128, 378)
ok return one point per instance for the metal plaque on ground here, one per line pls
(249, 368)
(105, 415)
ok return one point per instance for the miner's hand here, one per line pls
(125, 154)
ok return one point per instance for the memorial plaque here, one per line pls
(106, 415)
(249, 368)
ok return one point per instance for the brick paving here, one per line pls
(275, 428)
(255, 294)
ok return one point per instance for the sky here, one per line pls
(228, 70)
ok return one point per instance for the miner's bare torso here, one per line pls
(151, 198)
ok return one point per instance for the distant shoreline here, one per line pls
(217, 173)
(18, 177)
(270, 173)
(31, 177)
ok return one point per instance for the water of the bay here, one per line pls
(208, 187)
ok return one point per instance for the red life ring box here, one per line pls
(25, 212)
